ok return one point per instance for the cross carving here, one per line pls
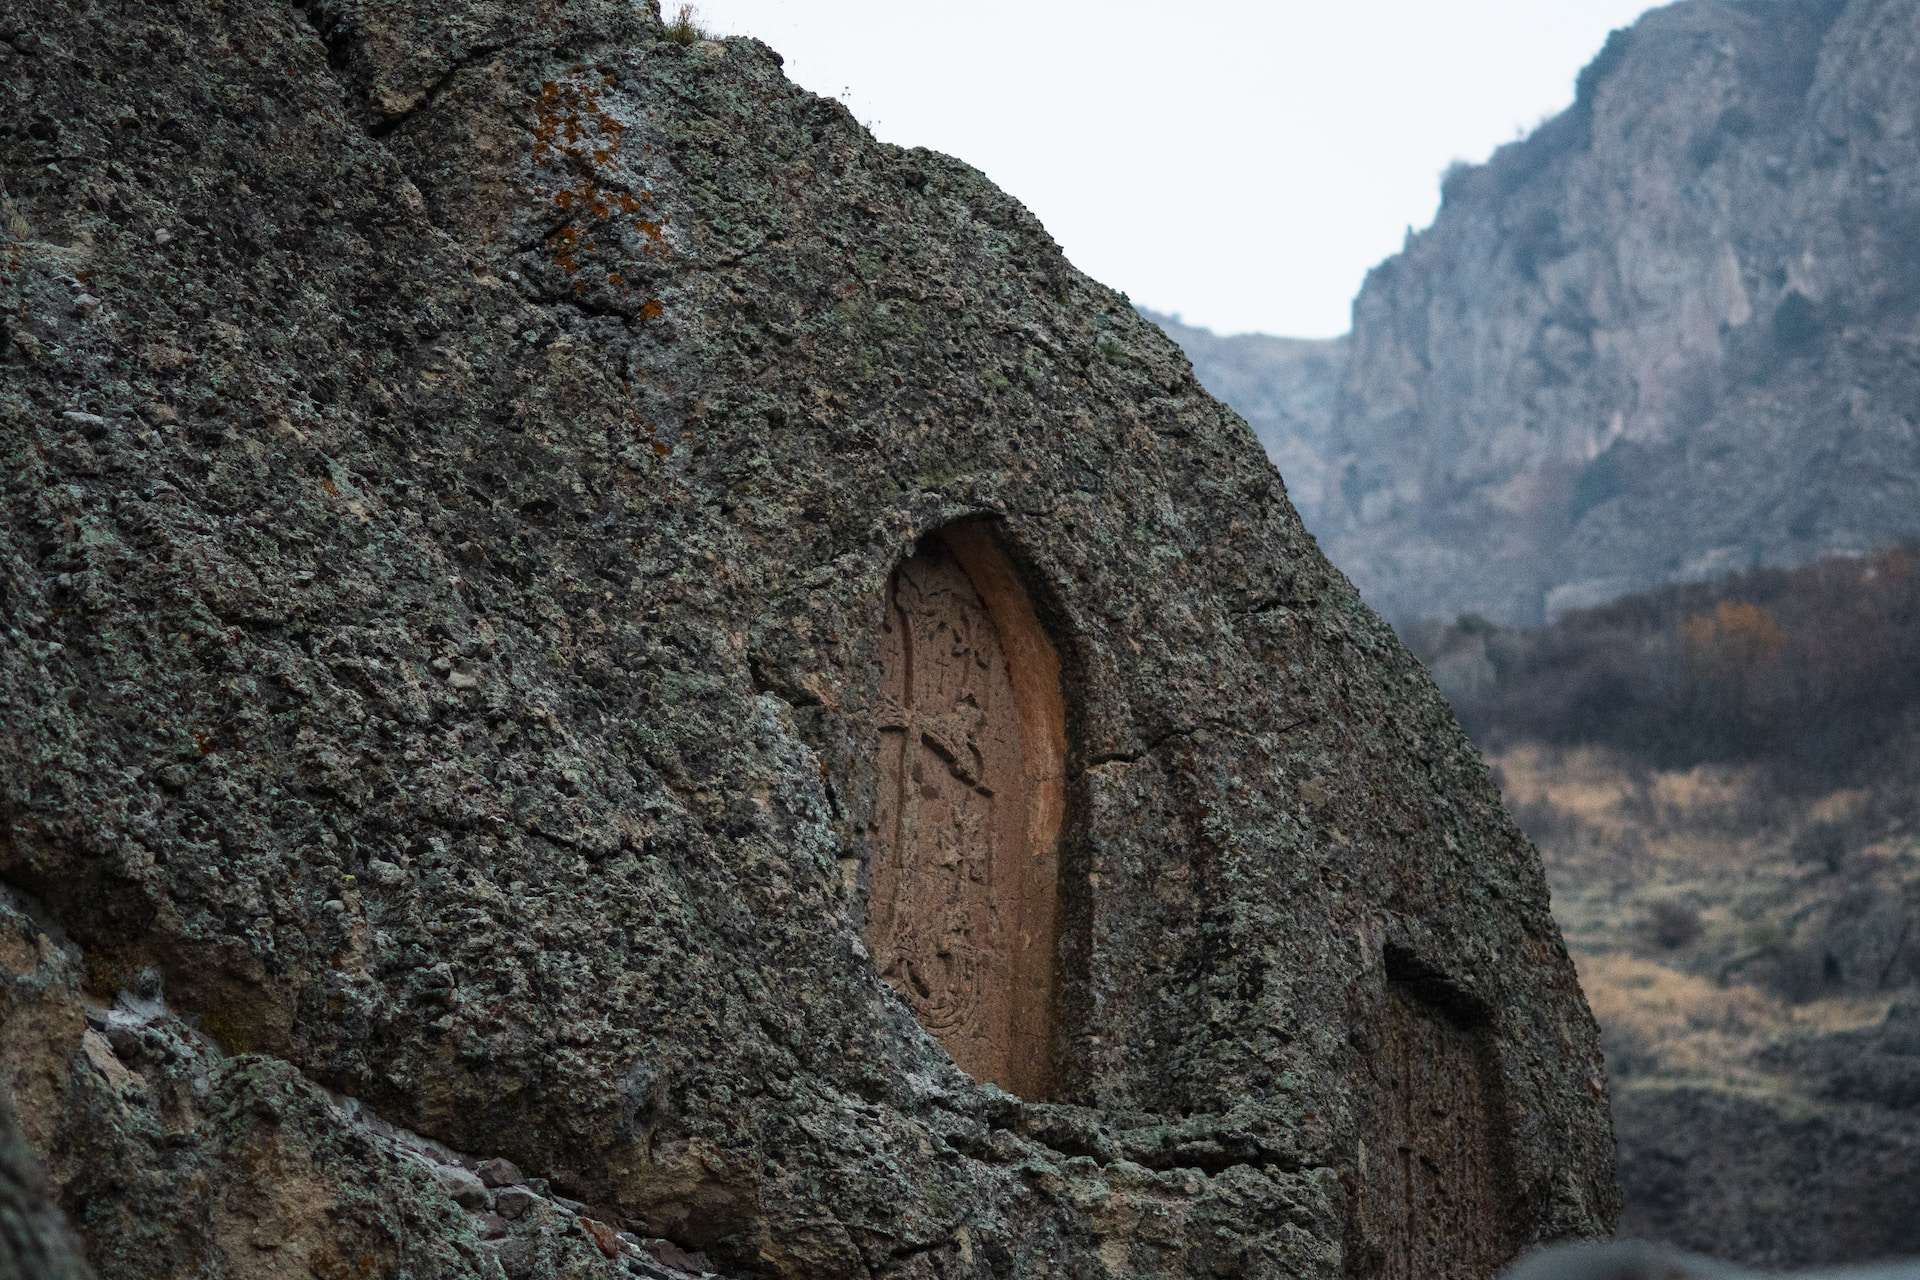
(951, 735)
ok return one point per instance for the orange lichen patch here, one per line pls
(652, 309)
(572, 129)
(603, 1236)
(659, 447)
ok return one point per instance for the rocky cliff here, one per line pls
(511, 515)
(1675, 331)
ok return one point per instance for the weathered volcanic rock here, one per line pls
(453, 461)
(34, 1237)
(1288, 391)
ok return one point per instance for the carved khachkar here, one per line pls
(962, 898)
(1436, 1166)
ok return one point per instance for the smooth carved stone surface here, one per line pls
(962, 903)
(1434, 1206)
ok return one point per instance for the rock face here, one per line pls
(34, 1237)
(1672, 333)
(454, 459)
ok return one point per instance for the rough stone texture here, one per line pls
(1287, 389)
(1673, 332)
(441, 586)
(35, 1240)
(173, 1158)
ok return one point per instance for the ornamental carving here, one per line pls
(962, 896)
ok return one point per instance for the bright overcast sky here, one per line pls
(1240, 163)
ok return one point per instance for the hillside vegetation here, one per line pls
(1808, 672)
(1721, 777)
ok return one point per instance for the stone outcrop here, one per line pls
(453, 460)
(1671, 333)
(34, 1237)
(175, 1158)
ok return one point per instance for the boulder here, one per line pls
(446, 582)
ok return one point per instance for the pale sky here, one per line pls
(1240, 163)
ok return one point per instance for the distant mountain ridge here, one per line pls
(1673, 332)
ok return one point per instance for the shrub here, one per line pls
(1801, 972)
(683, 29)
(1808, 671)
(1604, 64)
(1456, 180)
(1518, 163)
(1537, 241)
(1823, 844)
(1672, 925)
(1734, 122)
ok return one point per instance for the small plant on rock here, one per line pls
(683, 29)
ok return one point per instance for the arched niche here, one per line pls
(963, 903)
(1436, 1195)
